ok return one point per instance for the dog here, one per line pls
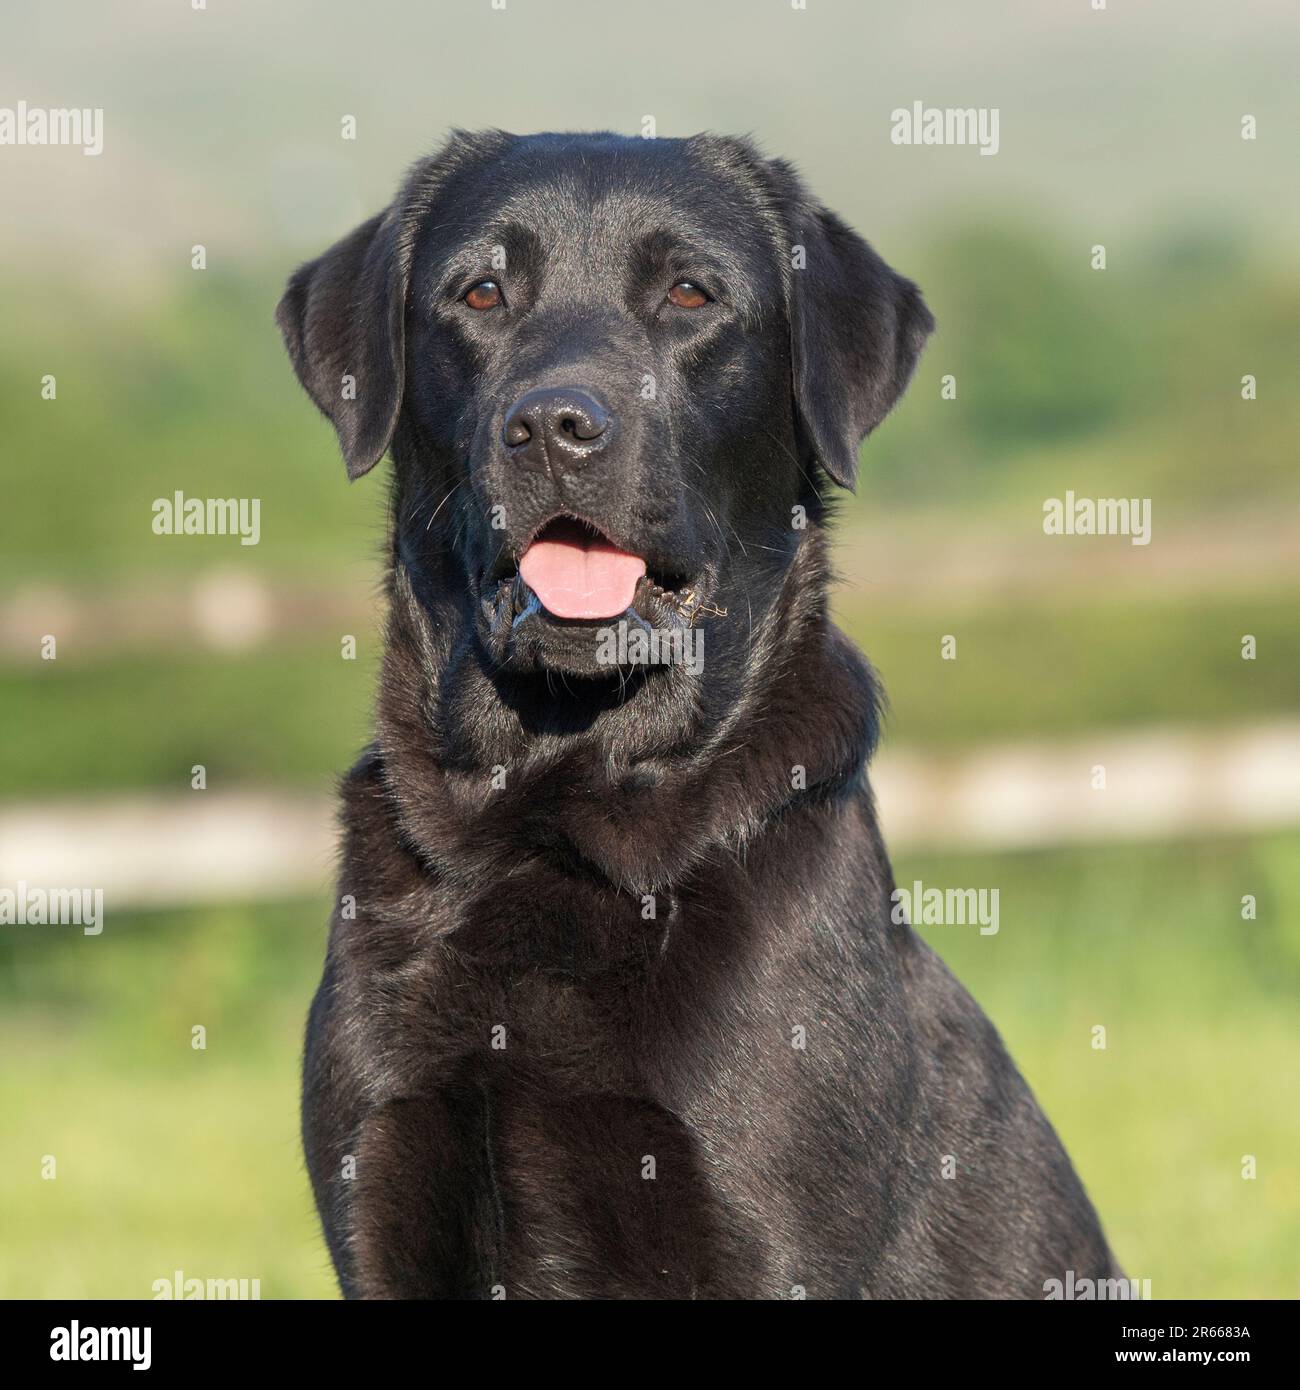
(615, 1004)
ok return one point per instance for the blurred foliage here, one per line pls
(1040, 668)
(1117, 383)
(295, 713)
(190, 391)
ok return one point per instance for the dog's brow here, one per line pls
(505, 246)
(663, 252)
(661, 246)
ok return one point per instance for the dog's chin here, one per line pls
(520, 636)
(566, 647)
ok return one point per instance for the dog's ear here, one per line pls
(343, 317)
(856, 329)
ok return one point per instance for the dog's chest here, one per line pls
(599, 1069)
(601, 1195)
(592, 988)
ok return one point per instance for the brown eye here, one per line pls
(485, 295)
(687, 296)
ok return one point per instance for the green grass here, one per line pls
(167, 1157)
(171, 1158)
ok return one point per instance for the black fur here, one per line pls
(582, 911)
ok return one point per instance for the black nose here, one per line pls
(559, 429)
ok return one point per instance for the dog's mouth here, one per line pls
(571, 574)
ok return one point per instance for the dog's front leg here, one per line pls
(423, 1220)
(404, 1185)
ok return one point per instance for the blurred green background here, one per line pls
(222, 129)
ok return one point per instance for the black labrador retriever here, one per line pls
(615, 1004)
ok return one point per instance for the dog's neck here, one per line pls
(637, 792)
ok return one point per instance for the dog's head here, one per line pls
(608, 369)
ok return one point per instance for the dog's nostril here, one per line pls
(583, 421)
(516, 432)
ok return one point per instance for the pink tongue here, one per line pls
(577, 575)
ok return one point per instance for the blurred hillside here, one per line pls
(223, 125)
